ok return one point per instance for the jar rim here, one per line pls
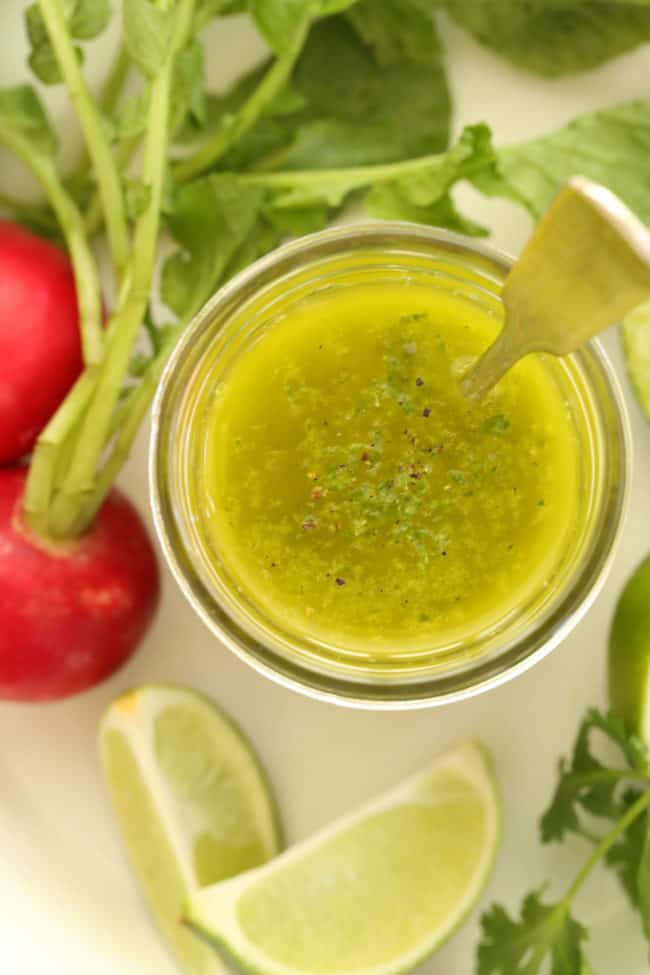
(580, 590)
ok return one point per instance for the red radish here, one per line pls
(40, 346)
(71, 612)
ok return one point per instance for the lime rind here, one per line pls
(176, 819)
(629, 653)
(636, 350)
(220, 902)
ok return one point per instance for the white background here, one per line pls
(67, 903)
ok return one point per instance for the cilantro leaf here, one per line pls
(588, 785)
(610, 146)
(627, 852)
(554, 37)
(643, 875)
(521, 947)
(210, 219)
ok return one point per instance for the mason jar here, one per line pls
(231, 323)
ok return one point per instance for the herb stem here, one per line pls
(635, 810)
(105, 169)
(71, 223)
(224, 138)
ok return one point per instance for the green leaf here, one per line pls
(554, 37)
(131, 120)
(611, 146)
(22, 112)
(361, 112)
(521, 947)
(85, 19)
(420, 185)
(628, 851)
(211, 218)
(295, 221)
(147, 34)
(349, 110)
(397, 30)
(261, 239)
(189, 85)
(423, 195)
(579, 789)
(89, 18)
(280, 20)
(42, 59)
(136, 197)
(643, 876)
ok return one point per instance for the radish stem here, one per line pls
(110, 94)
(67, 514)
(43, 466)
(71, 223)
(106, 172)
(218, 145)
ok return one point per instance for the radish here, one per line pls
(71, 612)
(40, 348)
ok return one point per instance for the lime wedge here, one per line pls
(629, 653)
(191, 800)
(376, 892)
(636, 348)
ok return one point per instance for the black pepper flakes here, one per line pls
(419, 382)
(339, 581)
(426, 411)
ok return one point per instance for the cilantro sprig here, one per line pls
(606, 803)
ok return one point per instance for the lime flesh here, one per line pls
(374, 893)
(629, 653)
(191, 801)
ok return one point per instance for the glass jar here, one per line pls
(236, 317)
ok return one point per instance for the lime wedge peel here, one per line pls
(374, 893)
(629, 653)
(636, 349)
(191, 800)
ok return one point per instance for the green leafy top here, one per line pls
(85, 19)
(546, 934)
(610, 146)
(555, 37)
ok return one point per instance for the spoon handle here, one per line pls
(490, 367)
(585, 266)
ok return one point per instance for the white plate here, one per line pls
(67, 904)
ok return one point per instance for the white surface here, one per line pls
(67, 903)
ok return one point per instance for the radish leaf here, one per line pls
(557, 37)
(610, 146)
(85, 19)
(147, 34)
(211, 218)
(397, 30)
(22, 112)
